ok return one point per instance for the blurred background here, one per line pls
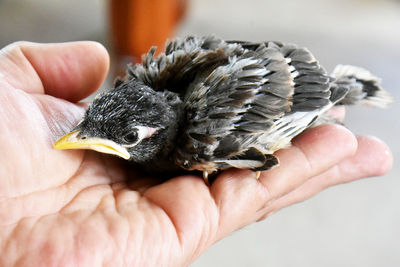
(353, 225)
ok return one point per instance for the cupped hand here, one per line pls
(87, 209)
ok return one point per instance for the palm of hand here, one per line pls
(83, 207)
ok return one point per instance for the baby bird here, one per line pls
(208, 104)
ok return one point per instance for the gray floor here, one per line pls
(353, 225)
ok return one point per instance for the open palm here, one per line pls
(85, 208)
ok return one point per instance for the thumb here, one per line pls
(71, 71)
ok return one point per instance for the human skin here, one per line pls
(83, 208)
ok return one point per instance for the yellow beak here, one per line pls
(72, 141)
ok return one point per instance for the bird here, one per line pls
(206, 104)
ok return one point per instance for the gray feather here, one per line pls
(362, 86)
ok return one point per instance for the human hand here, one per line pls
(85, 208)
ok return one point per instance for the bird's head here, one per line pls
(131, 121)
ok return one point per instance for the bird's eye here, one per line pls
(131, 137)
(137, 134)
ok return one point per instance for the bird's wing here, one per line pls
(183, 58)
(312, 96)
(311, 81)
(271, 90)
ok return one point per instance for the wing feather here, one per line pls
(235, 103)
(259, 100)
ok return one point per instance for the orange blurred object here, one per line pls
(137, 25)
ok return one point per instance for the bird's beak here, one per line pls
(73, 141)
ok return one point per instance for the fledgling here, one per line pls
(208, 104)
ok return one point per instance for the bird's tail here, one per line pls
(354, 85)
